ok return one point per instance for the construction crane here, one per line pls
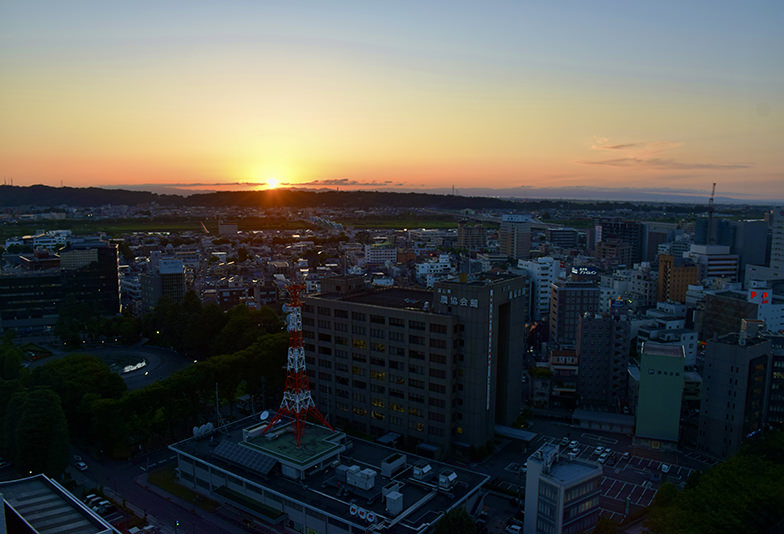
(710, 215)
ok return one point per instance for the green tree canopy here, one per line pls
(38, 432)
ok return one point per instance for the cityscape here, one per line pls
(340, 268)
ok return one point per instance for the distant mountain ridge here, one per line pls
(46, 196)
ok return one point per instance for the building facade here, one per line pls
(603, 343)
(660, 396)
(561, 493)
(569, 300)
(441, 366)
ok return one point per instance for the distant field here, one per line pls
(115, 228)
(395, 223)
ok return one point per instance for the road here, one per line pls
(160, 362)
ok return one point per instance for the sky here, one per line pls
(507, 96)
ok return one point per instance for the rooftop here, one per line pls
(50, 509)
(392, 297)
(660, 349)
(259, 460)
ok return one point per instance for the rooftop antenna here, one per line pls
(297, 400)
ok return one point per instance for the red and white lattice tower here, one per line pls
(297, 401)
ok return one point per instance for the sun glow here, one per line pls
(272, 183)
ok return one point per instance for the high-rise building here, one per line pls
(440, 366)
(87, 273)
(629, 232)
(714, 262)
(603, 343)
(735, 389)
(675, 276)
(660, 395)
(543, 272)
(471, 236)
(562, 237)
(561, 493)
(569, 300)
(777, 241)
(514, 239)
(165, 278)
(776, 397)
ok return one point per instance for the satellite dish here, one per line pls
(264, 415)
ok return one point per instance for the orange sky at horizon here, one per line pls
(382, 99)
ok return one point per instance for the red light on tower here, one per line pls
(297, 400)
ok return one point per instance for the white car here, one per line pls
(665, 468)
(81, 466)
(598, 450)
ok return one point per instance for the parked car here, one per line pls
(665, 468)
(81, 466)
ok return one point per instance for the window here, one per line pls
(358, 316)
(324, 311)
(437, 373)
(416, 354)
(377, 333)
(342, 314)
(358, 384)
(416, 325)
(437, 343)
(396, 336)
(414, 383)
(416, 340)
(359, 344)
(341, 340)
(358, 371)
(341, 327)
(378, 375)
(358, 329)
(359, 411)
(437, 328)
(394, 321)
(377, 319)
(324, 323)
(378, 347)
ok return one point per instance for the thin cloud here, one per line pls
(333, 182)
(648, 147)
(660, 163)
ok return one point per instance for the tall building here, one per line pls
(379, 254)
(675, 276)
(776, 397)
(471, 236)
(735, 389)
(660, 395)
(88, 273)
(714, 262)
(569, 300)
(603, 343)
(165, 278)
(543, 273)
(441, 366)
(561, 493)
(514, 239)
(562, 237)
(91, 273)
(628, 232)
(777, 241)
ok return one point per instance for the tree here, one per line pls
(10, 361)
(40, 434)
(605, 526)
(455, 520)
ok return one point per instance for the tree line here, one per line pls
(78, 398)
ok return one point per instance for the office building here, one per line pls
(440, 366)
(735, 389)
(777, 241)
(659, 396)
(569, 300)
(714, 262)
(561, 493)
(165, 278)
(675, 276)
(562, 237)
(91, 274)
(543, 272)
(379, 254)
(620, 231)
(471, 237)
(603, 343)
(333, 484)
(514, 239)
(776, 396)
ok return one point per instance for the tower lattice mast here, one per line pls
(297, 401)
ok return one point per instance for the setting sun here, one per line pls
(272, 183)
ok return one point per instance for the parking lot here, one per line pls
(629, 480)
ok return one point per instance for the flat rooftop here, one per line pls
(323, 489)
(49, 508)
(316, 443)
(660, 349)
(567, 472)
(393, 297)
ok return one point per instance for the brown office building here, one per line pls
(675, 275)
(441, 366)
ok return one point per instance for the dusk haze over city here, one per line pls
(391, 267)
